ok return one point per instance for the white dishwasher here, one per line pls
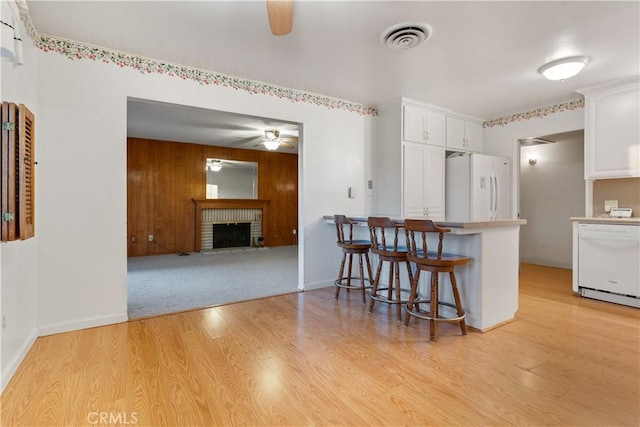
(609, 263)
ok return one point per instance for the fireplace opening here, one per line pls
(231, 235)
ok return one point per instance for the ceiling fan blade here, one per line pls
(287, 145)
(280, 16)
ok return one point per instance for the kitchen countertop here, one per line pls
(447, 224)
(606, 220)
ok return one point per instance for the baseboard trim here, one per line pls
(317, 285)
(91, 322)
(15, 362)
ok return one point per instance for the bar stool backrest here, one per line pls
(341, 222)
(422, 227)
(377, 227)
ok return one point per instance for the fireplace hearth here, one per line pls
(231, 235)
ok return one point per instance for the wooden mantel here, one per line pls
(229, 204)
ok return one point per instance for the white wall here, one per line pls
(551, 191)
(82, 169)
(18, 260)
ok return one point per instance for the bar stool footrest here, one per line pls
(426, 315)
(386, 300)
(338, 283)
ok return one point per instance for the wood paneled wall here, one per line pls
(163, 177)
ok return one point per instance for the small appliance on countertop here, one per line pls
(620, 213)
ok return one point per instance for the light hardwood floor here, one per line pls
(306, 359)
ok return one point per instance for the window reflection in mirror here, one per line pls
(231, 179)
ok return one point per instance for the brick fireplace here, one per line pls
(230, 216)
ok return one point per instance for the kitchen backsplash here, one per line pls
(625, 190)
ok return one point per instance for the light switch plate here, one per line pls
(610, 204)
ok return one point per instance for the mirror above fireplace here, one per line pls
(231, 179)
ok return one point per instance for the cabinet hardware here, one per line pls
(7, 216)
(8, 126)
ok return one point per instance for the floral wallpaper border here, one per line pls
(77, 50)
(536, 113)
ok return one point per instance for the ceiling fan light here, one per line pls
(271, 135)
(272, 144)
(564, 68)
(214, 165)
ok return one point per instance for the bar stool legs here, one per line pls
(350, 247)
(342, 278)
(394, 291)
(456, 296)
(433, 315)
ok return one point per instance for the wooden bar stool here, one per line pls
(393, 254)
(349, 248)
(435, 262)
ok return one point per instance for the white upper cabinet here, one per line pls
(612, 130)
(464, 135)
(422, 125)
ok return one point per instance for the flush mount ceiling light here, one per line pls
(565, 68)
(406, 35)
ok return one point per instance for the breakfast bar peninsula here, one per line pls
(489, 283)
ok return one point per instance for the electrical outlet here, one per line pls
(610, 204)
(133, 238)
(151, 237)
(294, 231)
(4, 322)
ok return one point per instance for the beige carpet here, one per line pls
(170, 283)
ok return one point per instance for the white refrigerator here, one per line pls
(478, 188)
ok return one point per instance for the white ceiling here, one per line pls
(482, 58)
(172, 122)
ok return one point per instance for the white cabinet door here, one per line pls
(435, 128)
(473, 134)
(422, 125)
(423, 181)
(434, 174)
(616, 136)
(612, 131)
(413, 124)
(455, 134)
(463, 135)
(414, 179)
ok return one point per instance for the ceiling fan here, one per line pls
(280, 16)
(272, 140)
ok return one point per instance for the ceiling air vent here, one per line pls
(406, 35)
